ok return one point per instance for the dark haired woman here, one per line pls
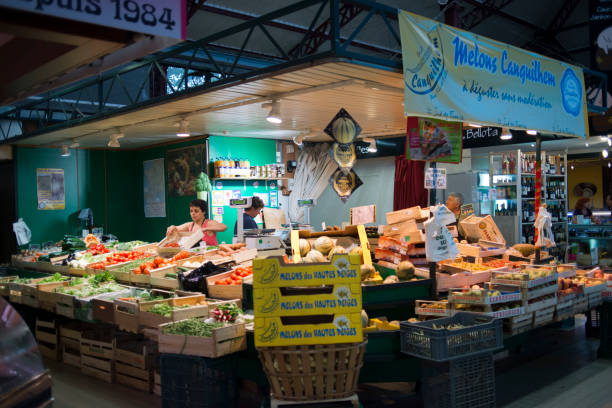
(198, 210)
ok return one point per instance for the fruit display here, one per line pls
(476, 290)
(236, 277)
(314, 256)
(304, 247)
(405, 270)
(226, 312)
(527, 274)
(466, 266)
(501, 263)
(337, 250)
(323, 244)
(381, 324)
(230, 249)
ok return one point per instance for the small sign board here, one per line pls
(365, 214)
(435, 179)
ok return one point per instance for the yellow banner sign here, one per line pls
(456, 75)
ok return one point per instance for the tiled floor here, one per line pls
(556, 368)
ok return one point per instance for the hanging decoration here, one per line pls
(344, 183)
(343, 128)
(344, 155)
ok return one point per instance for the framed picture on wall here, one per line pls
(184, 166)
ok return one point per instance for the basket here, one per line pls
(467, 382)
(320, 379)
(483, 333)
(188, 381)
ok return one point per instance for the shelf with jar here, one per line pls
(227, 168)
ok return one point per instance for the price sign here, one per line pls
(435, 179)
(157, 17)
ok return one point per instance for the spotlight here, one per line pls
(114, 139)
(532, 132)
(372, 147)
(572, 167)
(474, 125)
(65, 151)
(506, 135)
(298, 140)
(609, 142)
(75, 144)
(533, 145)
(604, 153)
(183, 130)
(586, 145)
(609, 164)
(274, 114)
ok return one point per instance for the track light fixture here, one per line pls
(114, 139)
(183, 130)
(532, 132)
(506, 135)
(65, 151)
(604, 153)
(274, 115)
(298, 140)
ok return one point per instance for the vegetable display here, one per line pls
(128, 246)
(236, 277)
(159, 262)
(192, 327)
(118, 257)
(165, 309)
(55, 278)
(98, 249)
(227, 312)
(89, 291)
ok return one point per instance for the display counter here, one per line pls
(591, 244)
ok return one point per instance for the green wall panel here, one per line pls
(45, 224)
(111, 184)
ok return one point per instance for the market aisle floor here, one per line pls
(556, 368)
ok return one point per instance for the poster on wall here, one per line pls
(456, 75)
(50, 189)
(265, 197)
(434, 140)
(154, 188)
(184, 167)
(435, 179)
(344, 183)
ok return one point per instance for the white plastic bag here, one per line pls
(543, 225)
(22, 232)
(439, 243)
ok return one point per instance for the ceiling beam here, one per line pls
(562, 15)
(478, 14)
(500, 13)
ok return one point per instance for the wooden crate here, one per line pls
(4, 284)
(224, 340)
(157, 278)
(244, 256)
(16, 291)
(103, 306)
(99, 368)
(71, 351)
(126, 313)
(542, 304)
(223, 291)
(157, 384)
(140, 279)
(148, 319)
(46, 297)
(543, 316)
(581, 304)
(595, 299)
(98, 348)
(46, 335)
(532, 293)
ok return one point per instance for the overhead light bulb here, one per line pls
(274, 115)
(604, 153)
(532, 132)
(474, 125)
(183, 130)
(609, 164)
(572, 167)
(372, 144)
(114, 139)
(506, 135)
(65, 151)
(75, 144)
(586, 145)
(609, 142)
(533, 145)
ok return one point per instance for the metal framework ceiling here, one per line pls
(262, 40)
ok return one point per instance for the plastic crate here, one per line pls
(467, 382)
(198, 382)
(482, 333)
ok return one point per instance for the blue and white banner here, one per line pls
(455, 75)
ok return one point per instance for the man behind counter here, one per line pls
(248, 217)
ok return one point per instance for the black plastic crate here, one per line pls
(198, 382)
(467, 382)
(481, 334)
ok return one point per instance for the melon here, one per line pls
(304, 247)
(405, 270)
(525, 249)
(315, 256)
(365, 320)
(336, 250)
(367, 271)
(344, 130)
(391, 279)
(324, 245)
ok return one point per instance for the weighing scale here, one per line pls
(240, 204)
(307, 204)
